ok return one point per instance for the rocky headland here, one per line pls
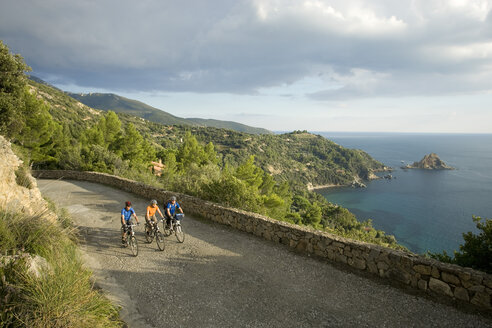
(429, 162)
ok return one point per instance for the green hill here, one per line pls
(119, 104)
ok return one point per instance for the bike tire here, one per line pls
(180, 236)
(159, 239)
(166, 231)
(133, 245)
(149, 236)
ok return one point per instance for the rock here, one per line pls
(429, 162)
(481, 299)
(450, 278)
(422, 284)
(422, 269)
(461, 294)
(440, 287)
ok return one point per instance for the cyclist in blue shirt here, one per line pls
(126, 217)
(171, 207)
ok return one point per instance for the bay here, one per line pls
(424, 210)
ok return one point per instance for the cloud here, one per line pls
(359, 48)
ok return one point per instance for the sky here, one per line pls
(379, 65)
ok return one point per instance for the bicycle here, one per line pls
(154, 233)
(175, 227)
(131, 240)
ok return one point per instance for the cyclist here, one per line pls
(126, 216)
(171, 207)
(150, 214)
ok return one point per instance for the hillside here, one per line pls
(301, 158)
(119, 104)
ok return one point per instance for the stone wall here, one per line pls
(431, 276)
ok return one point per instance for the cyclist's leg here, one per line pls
(147, 223)
(154, 219)
(123, 234)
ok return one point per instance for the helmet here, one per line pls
(173, 198)
(153, 201)
(128, 203)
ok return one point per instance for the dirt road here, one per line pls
(220, 277)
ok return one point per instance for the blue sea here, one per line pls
(424, 210)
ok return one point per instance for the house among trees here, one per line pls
(156, 167)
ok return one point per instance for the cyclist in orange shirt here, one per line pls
(150, 214)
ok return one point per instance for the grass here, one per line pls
(63, 295)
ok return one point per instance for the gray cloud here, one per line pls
(384, 48)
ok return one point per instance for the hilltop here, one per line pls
(119, 104)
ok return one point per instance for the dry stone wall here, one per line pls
(434, 277)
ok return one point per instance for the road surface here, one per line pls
(220, 277)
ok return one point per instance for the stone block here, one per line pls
(406, 261)
(481, 299)
(461, 294)
(435, 272)
(477, 289)
(340, 258)
(451, 278)
(301, 246)
(422, 284)
(464, 276)
(400, 276)
(383, 266)
(337, 244)
(372, 267)
(440, 287)
(423, 269)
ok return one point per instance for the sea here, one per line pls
(424, 209)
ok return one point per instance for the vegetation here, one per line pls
(267, 174)
(119, 104)
(476, 252)
(62, 294)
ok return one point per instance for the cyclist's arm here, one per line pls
(122, 219)
(162, 216)
(135, 215)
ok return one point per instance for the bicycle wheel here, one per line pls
(180, 236)
(159, 239)
(149, 236)
(167, 230)
(133, 245)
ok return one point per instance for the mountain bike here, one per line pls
(175, 227)
(131, 241)
(154, 232)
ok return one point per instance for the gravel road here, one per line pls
(220, 277)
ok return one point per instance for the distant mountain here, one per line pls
(119, 104)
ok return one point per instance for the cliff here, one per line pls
(429, 162)
(18, 188)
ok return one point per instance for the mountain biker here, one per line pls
(150, 214)
(126, 216)
(171, 207)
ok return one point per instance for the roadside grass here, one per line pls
(63, 294)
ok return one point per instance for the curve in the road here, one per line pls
(220, 277)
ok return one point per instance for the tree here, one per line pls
(37, 131)
(250, 173)
(12, 87)
(476, 252)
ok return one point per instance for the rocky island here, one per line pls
(429, 162)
